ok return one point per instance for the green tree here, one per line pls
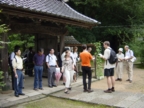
(120, 20)
(24, 41)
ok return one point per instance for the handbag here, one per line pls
(133, 59)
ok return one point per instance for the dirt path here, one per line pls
(136, 86)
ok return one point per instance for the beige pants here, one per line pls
(129, 68)
(119, 69)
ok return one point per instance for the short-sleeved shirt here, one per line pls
(51, 59)
(17, 62)
(106, 55)
(12, 55)
(85, 57)
(38, 59)
(120, 56)
(75, 55)
(129, 54)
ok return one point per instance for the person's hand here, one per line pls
(16, 75)
(93, 57)
(62, 71)
(101, 56)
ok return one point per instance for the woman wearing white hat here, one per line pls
(119, 66)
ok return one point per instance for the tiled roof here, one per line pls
(50, 7)
(70, 40)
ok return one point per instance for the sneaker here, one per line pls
(108, 91)
(120, 79)
(16, 95)
(66, 92)
(89, 91)
(70, 88)
(117, 79)
(54, 85)
(21, 94)
(128, 80)
(35, 89)
(85, 90)
(41, 88)
(50, 86)
(112, 89)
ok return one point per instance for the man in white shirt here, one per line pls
(119, 66)
(108, 68)
(17, 64)
(129, 64)
(75, 55)
(51, 62)
(12, 55)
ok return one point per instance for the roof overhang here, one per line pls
(22, 11)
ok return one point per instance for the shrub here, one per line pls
(1, 79)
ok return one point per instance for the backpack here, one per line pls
(113, 57)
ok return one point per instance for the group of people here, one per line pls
(68, 67)
(109, 68)
(36, 62)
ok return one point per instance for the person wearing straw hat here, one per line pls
(119, 66)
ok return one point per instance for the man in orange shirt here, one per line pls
(86, 57)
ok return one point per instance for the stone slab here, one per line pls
(135, 97)
(138, 104)
(16, 98)
(3, 102)
(33, 93)
(125, 104)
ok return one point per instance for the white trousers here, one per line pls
(119, 70)
(69, 77)
(129, 68)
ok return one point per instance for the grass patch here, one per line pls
(52, 102)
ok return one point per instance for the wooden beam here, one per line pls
(44, 16)
(73, 45)
(35, 28)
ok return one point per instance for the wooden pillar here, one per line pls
(4, 56)
(36, 42)
(61, 44)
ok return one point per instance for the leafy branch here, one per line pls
(99, 61)
(1, 79)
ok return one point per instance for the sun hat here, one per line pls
(121, 49)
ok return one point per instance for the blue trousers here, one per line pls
(18, 82)
(38, 71)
